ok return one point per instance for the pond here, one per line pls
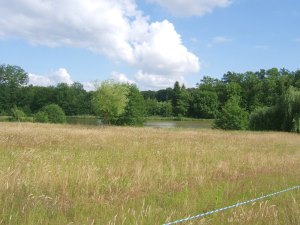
(195, 124)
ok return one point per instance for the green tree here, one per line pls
(204, 104)
(164, 95)
(135, 109)
(41, 117)
(291, 107)
(12, 78)
(180, 100)
(72, 98)
(42, 96)
(53, 114)
(232, 116)
(266, 118)
(17, 114)
(152, 107)
(165, 109)
(109, 100)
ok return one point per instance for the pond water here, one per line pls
(197, 124)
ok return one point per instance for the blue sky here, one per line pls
(152, 43)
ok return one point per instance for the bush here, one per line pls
(135, 109)
(41, 117)
(266, 118)
(291, 106)
(18, 114)
(51, 113)
(232, 116)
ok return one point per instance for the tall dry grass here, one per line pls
(60, 174)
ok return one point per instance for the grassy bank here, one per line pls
(63, 174)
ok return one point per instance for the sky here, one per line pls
(151, 43)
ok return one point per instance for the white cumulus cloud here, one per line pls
(59, 76)
(122, 78)
(155, 81)
(114, 28)
(191, 7)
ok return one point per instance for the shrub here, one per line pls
(41, 117)
(232, 116)
(135, 109)
(51, 113)
(266, 118)
(291, 106)
(17, 114)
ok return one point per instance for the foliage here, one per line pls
(180, 100)
(156, 108)
(232, 116)
(291, 107)
(266, 118)
(109, 100)
(12, 79)
(17, 114)
(72, 98)
(52, 113)
(41, 117)
(204, 104)
(12, 76)
(264, 93)
(135, 110)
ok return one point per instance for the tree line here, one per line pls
(261, 100)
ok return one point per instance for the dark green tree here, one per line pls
(291, 107)
(180, 100)
(12, 78)
(135, 109)
(266, 118)
(204, 104)
(232, 116)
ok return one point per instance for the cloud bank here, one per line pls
(114, 28)
(191, 7)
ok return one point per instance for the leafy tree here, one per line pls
(41, 117)
(17, 114)
(51, 113)
(251, 91)
(296, 79)
(232, 116)
(180, 100)
(266, 118)
(42, 96)
(72, 98)
(291, 107)
(164, 95)
(135, 109)
(230, 77)
(109, 100)
(152, 107)
(165, 109)
(207, 84)
(233, 89)
(149, 94)
(204, 104)
(12, 78)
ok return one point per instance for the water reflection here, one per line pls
(155, 123)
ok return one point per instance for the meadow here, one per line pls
(67, 174)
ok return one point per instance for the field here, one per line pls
(64, 174)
